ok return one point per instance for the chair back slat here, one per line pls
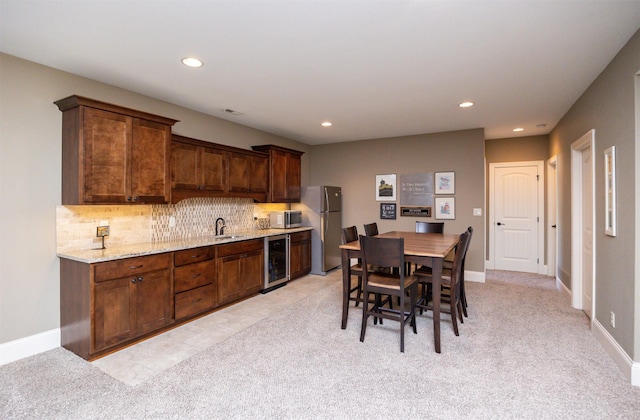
(430, 227)
(382, 252)
(349, 234)
(371, 229)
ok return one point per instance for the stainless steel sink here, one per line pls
(222, 237)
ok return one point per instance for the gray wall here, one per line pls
(30, 180)
(354, 165)
(608, 107)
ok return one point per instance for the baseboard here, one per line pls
(28, 346)
(628, 367)
(475, 276)
(563, 289)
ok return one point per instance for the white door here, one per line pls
(516, 204)
(587, 231)
(552, 215)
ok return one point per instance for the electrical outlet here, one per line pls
(172, 221)
(613, 319)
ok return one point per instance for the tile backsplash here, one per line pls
(131, 224)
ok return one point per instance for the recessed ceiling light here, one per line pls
(192, 62)
(541, 125)
(326, 124)
(518, 129)
(466, 104)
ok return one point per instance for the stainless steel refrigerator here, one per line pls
(323, 211)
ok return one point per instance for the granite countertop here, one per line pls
(149, 248)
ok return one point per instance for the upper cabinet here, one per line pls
(203, 169)
(112, 154)
(285, 173)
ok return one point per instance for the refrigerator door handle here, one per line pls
(326, 200)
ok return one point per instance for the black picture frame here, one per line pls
(388, 211)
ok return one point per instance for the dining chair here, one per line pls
(371, 229)
(451, 280)
(430, 227)
(427, 227)
(387, 252)
(350, 234)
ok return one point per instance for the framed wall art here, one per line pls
(610, 190)
(388, 211)
(445, 208)
(386, 187)
(445, 183)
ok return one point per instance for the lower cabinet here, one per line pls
(194, 278)
(240, 269)
(300, 254)
(107, 305)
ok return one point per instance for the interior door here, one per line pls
(516, 217)
(587, 232)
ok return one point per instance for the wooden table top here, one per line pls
(418, 244)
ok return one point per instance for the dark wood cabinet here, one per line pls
(112, 154)
(194, 278)
(300, 254)
(203, 169)
(240, 270)
(285, 171)
(197, 168)
(107, 304)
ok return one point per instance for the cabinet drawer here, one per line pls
(195, 301)
(300, 236)
(193, 255)
(240, 247)
(131, 266)
(193, 275)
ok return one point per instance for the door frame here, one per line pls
(552, 211)
(586, 141)
(540, 209)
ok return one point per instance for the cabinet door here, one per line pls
(230, 286)
(114, 315)
(239, 167)
(150, 162)
(259, 174)
(213, 169)
(252, 272)
(153, 301)
(107, 139)
(278, 176)
(294, 168)
(184, 166)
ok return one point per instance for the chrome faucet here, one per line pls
(221, 232)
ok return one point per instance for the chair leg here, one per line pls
(454, 318)
(365, 306)
(359, 295)
(414, 300)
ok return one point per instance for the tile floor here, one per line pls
(139, 363)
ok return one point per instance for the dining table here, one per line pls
(428, 249)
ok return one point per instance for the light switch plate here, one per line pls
(477, 212)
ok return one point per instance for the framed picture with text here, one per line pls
(388, 211)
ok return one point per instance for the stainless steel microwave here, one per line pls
(285, 219)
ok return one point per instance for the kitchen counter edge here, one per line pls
(91, 256)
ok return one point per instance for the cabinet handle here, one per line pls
(195, 256)
(195, 276)
(133, 280)
(140, 278)
(133, 267)
(136, 198)
(128, 198)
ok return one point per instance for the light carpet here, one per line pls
(522, 353)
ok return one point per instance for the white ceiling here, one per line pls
(374, 68)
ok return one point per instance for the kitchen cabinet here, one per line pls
(300, 254)
(285, 169)
(203, 169)
(112, 154)
(239, 269)
(107, 304)
(197, 167)
(194, 280)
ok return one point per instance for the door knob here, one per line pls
(500, 224)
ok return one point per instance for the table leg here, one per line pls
(436, 276)
(346, 277)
